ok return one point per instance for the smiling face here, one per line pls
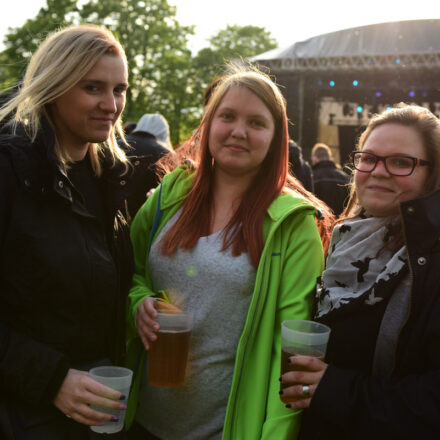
(88, 111)
(241, 132)
(379, 192)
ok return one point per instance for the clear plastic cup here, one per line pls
(302, 337)
(168, 355)
(119, 379)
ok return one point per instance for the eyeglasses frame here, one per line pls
(416, 161)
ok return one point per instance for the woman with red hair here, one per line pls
(231, 237)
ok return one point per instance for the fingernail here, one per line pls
(288, 405)
(114, 419)
(123, 397)
(280, 392)
(122, 406)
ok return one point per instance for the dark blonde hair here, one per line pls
(57, 65)
(425, 123)
(322, 151)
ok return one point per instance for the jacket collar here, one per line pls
(324, 164)
(286, 203)
(39, 169)
(421, 220)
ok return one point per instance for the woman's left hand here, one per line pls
(297, 395)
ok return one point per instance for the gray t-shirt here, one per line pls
(217, 288)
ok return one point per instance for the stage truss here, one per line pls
(355, 63)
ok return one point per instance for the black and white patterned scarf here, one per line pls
(360, 270)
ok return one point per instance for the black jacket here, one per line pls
(64, 277)
(330, 185)
(351, 404)
(143, 146)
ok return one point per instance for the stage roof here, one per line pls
(400, 44)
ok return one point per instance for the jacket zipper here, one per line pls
(234, 403)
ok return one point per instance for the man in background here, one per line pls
(329, 182)
(299, 167)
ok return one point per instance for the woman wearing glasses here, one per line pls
(380, 294)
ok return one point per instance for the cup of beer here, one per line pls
(168, 354)
(301, 337)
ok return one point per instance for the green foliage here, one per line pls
(156, 48)
(242, 41)
(21, 42)
(164, 77)
(232, 43)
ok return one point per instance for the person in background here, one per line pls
(235, 242)
(330, 184)
(65, 254)
(299, 167)
(147, 143)
(151, 125)
(129, 127)
(380, 293)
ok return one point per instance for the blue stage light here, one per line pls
(378, 94)
(355, 83)
(397, 61)
(412, 94)
(359, 109)
(332, 83)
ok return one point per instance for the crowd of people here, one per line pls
(88, 244)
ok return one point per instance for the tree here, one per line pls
(156, 48)
(155, 44)
(242, 41)
(164, 77)
(21, 42)
(232, 43)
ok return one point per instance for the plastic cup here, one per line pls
(119, 379)
(301, 337)
(169, 353)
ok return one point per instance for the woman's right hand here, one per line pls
(146, 321)
(78, 391)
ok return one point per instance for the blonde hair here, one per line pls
(425, 123)
(57, 65)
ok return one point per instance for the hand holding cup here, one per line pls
(78, 391)
(304, 344)
(304, 370)
(146, 318)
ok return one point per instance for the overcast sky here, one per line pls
(287, 20)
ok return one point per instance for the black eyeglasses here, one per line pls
(396, 165)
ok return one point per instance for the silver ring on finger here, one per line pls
(68, 416)
(306, 391)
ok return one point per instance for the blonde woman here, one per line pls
(65, 261)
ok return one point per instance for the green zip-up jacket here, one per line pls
(291, 261)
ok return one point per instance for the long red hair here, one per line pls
(244, 232)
